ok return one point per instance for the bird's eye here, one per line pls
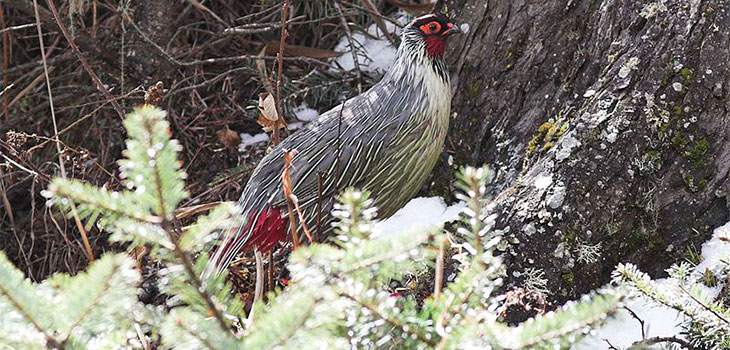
(431, 28)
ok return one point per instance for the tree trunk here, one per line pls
(606, 123)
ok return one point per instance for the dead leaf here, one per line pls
(228, 138)
(267, 106)
(269, 118)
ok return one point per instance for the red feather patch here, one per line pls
(270, 229)
(435, 46)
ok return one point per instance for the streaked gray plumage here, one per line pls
(386, 140)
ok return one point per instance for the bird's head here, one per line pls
(434, 30)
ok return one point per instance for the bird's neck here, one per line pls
(422, 77)
(416, 63)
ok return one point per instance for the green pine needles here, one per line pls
(336, 299)
(706, 318)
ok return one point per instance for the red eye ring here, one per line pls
(431, 28)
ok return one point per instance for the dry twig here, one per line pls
(346, 27)
(82, 59)
(79, 225)
(282, 45)
(378, 20)
(291, 200)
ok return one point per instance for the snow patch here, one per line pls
(623, 329)
(305, 114)
(374, 52)
(422, 213)
(715, 250)
(294, 126)
(248, 140)
(659, 321)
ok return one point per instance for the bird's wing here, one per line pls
(361, 130)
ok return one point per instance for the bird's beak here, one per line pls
(453, 29)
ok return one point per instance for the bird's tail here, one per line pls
(263, 230)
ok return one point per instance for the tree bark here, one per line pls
(606, 123)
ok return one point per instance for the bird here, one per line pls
(386, 140)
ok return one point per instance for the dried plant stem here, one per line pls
(439, 279)
(6, 55)
(292, 225)
(318, 233)
(82, 59)
(9, 210)
(378, 20)
(270, 270)
(201, 7)
(75, 214)
(280, 68)
(655, 340)
(346, 27)
(291, 200)
(259, 290)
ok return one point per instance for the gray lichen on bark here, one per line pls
(606, 123)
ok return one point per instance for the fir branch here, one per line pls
(186, 328)
(26, 315)
(115, 267)
(24, 299)
(85, 194)
(704, 306)
(390, 255)
(152, 126)
(394, 322)
(274, 329)
(188, 266)
(203, 340)
(571, 318)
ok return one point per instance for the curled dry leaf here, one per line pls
(269, 118)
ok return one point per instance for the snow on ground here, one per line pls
(623, 330)
(374, 54)
(306, 114)
(422, 213)
(715, 249)
(248, 140)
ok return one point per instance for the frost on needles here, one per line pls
(336, 298)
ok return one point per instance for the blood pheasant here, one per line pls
(385, 140)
